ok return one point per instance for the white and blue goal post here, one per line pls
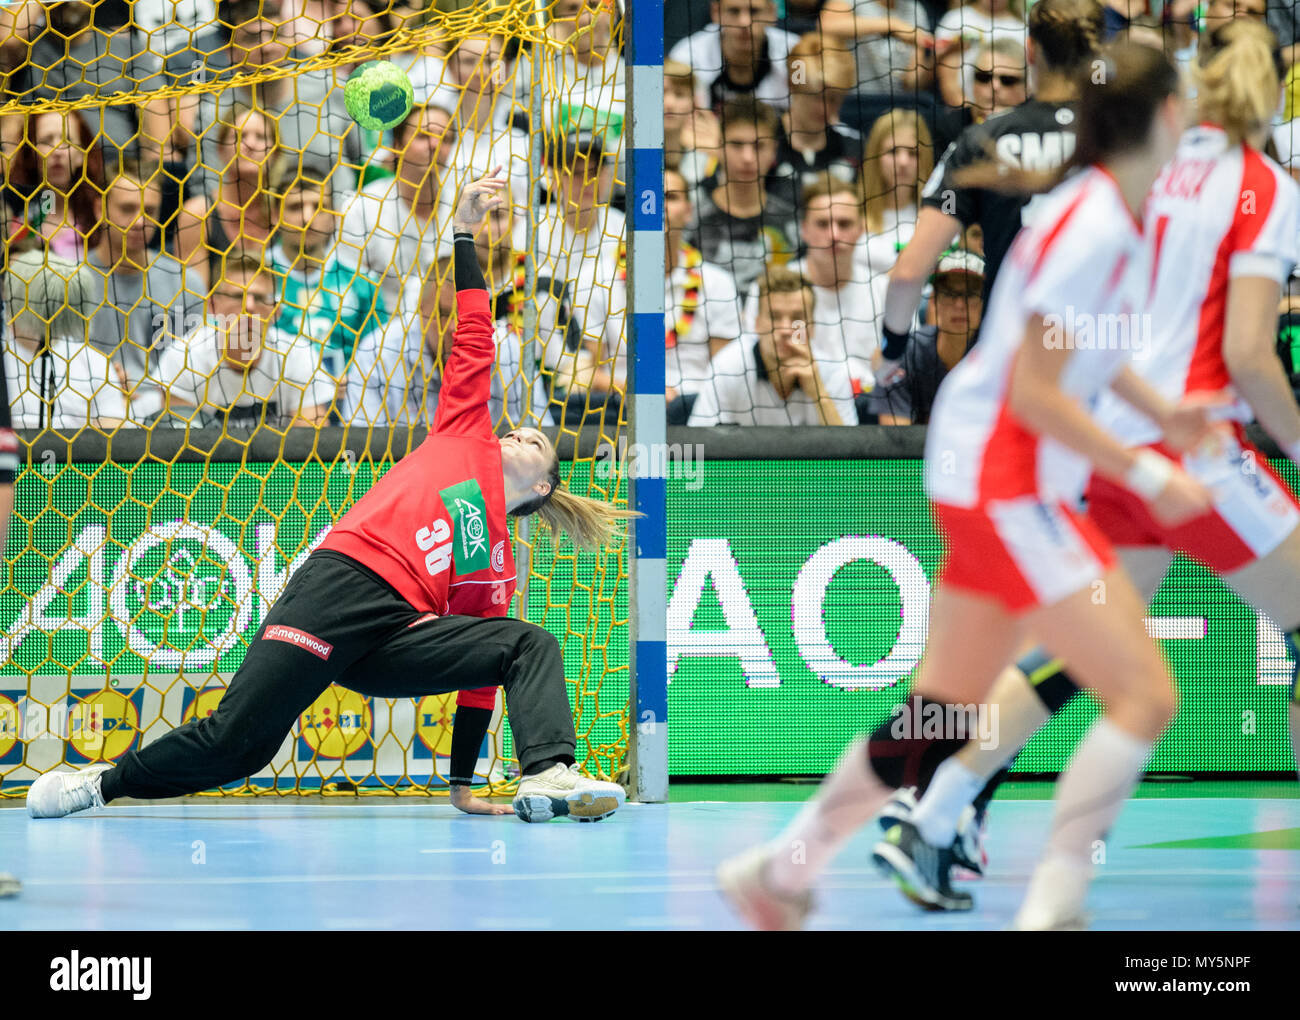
(647, 491)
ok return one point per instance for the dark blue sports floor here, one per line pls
(415, 864)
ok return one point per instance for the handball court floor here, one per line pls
(1185, 856)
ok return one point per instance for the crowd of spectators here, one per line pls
(248, 254)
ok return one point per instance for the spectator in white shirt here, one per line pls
(393, 224)
(141, 296)
(236, 368)
(701, 314)
(742, 53)
(692, 136)
(776, 378)
(897, 160)
(172, 25)
(397, 373)
(480, 89)
(55, 379)
(555, 346)
(579, 230)
(587, 69)
(847, 302)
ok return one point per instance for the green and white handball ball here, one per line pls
(378, 95)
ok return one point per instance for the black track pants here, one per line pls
(337, 623)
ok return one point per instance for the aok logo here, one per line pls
(435, 540)
(180, 595)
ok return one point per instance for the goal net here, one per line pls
(166, 185)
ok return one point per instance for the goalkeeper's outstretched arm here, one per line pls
(467, 381)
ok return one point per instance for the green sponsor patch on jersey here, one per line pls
(464, 501)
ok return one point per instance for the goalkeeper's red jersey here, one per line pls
(435, 525)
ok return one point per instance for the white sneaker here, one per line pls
(56, 794)
(972, 859)
(741, 879)
(9, 886)
(566, 791)
(1056, 896)
(898, 808)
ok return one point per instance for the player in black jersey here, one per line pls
(1038, 134)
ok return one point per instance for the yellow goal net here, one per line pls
(227, 306)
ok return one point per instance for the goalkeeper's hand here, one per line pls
(478, 199)
(463, 798)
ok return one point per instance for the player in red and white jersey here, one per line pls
(406, 597)
(1223, 221)
(1007, 456)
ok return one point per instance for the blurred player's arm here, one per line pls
(1035, 397)
(1250, 354)
(1183, 425)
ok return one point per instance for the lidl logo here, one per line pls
(11, 723)
(338, 725)
(464, 501)
(202, 704)
(434, 717)
(102, 727)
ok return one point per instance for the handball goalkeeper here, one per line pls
(407, 596)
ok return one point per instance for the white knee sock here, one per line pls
(1105, 769)
(846, 801)
(952, 788)
(1102, 774)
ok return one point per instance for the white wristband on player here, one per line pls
(1293, 452)
(1149, 474)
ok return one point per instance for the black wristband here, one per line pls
(469, 275)
(895, 344)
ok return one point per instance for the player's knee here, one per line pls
(1145, 708)
(1047, 676)
(918, 737)
(246, 745)
(253, 755)
(538, 642)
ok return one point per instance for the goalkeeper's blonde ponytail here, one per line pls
(589, 523)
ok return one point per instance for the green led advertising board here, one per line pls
(797, 604)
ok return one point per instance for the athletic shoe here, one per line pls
(56, 794)
(919, 870)
(968, 853)
(1056, 896)
(898, 808)
(566, 791)
(741, 879)
(9, 886)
